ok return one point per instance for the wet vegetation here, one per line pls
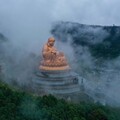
(19, 105)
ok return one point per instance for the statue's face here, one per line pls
(51, 43)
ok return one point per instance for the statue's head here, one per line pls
(51, 41)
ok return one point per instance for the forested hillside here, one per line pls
(18, 105)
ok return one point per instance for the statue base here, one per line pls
(48, 68)
(62, 83)
(55, 82)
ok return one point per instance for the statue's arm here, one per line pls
(44, 50)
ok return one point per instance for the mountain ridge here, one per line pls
(102, 41)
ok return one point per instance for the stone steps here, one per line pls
(59, 89)
(56, 80)
(63, 83)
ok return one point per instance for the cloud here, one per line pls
(103, 12)
(27, 23)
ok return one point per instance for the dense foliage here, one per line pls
(17, 105)
(110, 47)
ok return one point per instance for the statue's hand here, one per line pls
(53, 52)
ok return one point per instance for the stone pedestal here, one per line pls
(56, 82)
(62, 84)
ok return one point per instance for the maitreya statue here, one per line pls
(52, 58)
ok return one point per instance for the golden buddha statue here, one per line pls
(52, 58)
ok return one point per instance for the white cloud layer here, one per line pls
(32, 19)
(27, 23)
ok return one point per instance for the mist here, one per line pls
(100, 75)
(27, 24)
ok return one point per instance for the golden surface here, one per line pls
(52, 58)
(54, 68)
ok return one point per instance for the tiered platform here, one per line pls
(56, 82)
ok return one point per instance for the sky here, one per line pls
(30, 21)
(104, 12)
(31, 16)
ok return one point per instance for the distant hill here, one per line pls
(2, 50)
(2, 37)
(102, 41)
(2, 40)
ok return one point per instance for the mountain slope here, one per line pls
(102, 41)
